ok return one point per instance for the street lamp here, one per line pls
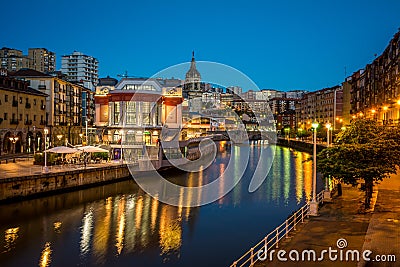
(328, 128)
(81, 136)
(13, 140)
(314, 203)
(59, 136)
(122, 134)
(327, 192)
(45, 169)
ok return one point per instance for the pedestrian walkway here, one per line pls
(343, 219)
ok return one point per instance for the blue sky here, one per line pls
(278, 44)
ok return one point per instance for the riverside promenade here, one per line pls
(377, 230)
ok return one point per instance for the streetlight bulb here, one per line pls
(328, 125)
(315, 125)
(398, 102)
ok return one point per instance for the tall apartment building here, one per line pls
(375, 90)
(323, 106)
(41, 59)
(13, 59)
(63, 107)
(81, 68)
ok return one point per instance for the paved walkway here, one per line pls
(378, 231)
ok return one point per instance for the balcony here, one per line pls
(27, 105)
(15, 103)
(28, 122)
(14, 121)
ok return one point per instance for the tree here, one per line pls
(364, 151)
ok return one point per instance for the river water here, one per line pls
(120, 225)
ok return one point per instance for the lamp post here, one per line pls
(13, 140)
(59, 137)
(327, 192)
(81, 136)
(314, 203)
(45, 169)
(121, 158)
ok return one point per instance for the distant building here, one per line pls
(22, 117)
(81, 68)
(323, 106)
(13, 59)
(193, 87)
(42, 60)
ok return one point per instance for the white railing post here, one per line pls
(294, 221)
(252, 257)
(277, 238)
(286, 229)
(302, 214)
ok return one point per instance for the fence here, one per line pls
(271, 241)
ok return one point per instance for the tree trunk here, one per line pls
(368, 192)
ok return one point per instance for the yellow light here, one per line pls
(373, 111)
(361, 114)
(343, 128)
(385, 108)
(328, 125)
(315, 125)
(354, 116)
(398, 102)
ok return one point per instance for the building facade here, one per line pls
(22, 117)
(375, 90)
(13, 59)
(42, 60)
(81, 68)
(63, 106)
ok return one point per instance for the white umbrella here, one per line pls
(92, 149)
(63, 150)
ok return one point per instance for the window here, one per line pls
(116, 112)
(131, 113)
(34, 102)
(6, 98)
(34, 117)
(20, 100)
(20, 117)
(5, 116)
(26, 100)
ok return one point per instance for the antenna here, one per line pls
(125, 75)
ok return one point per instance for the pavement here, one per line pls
(377, 230)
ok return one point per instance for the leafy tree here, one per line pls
(364, 151)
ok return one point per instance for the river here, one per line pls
(120, 225)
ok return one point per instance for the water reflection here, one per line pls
(45, 257)
(121, 221)
(10, 238)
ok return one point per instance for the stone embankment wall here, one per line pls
(18, 188)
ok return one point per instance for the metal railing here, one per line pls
(271, 240)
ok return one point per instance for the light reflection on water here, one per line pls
(121, 225)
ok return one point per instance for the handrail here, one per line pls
(271, 240)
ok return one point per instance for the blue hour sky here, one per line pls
(279, 44)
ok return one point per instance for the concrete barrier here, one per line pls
(19, 188)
